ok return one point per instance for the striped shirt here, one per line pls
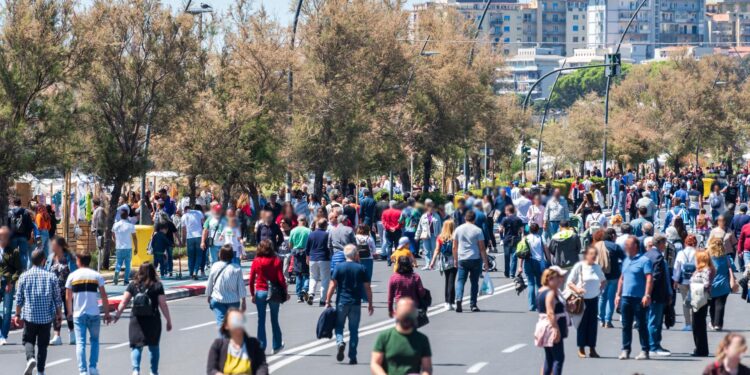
(225, 284)
(35, 287)
(85, 283)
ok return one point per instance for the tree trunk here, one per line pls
(369, 184)
(193, 188)
(405, 180)
(676, 164)
(582, 168)
(656, 166)
(477, 165)
(426, 171)
(255, 197)
(318, 184)
(113, 199)
(226, 193)
(4, 198)
(345, 185)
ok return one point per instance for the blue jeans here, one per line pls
(667, 203)
(44, 237)
(22, 244)
(552, 228)
(195, 255)
(746, 258)
(413, 246)
(124, 256)
(607, 301)
(214, 252)
(352, 313)
(655, 319)
(135, 358)
(160, 262)
(90, 323)
(260, 302)
(301, 284)
(509, 253)
(632, 310)
(220, 309)
(391, 241)
(7, 309)
(730, 259)
(368, 264)
(471, 269)
(693, 214)
(533, 270)
(428, 246)
(170, 259)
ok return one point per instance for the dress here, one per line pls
(146, 330)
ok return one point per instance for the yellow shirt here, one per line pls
(238, 362)
(405, 252)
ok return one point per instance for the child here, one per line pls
(159, 245)
(402, 250)
(232, 235)
(703, 224)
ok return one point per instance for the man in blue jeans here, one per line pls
(661, 294)
(192, 231)
(21, 225)
(469, 253)
(124, 234)
(349, 280)
(84, 287)
(634, 297)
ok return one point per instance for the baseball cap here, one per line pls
(559, 270)
(402, 242)
(216, 207)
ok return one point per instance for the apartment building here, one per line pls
(524, 69)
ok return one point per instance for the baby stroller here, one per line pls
(493, 263)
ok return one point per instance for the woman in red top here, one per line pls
(404, 283)
(287, 212)
(268, 269)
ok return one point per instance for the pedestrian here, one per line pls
(21, 226)
(163, 219)
(235, 352)
(160, 245)
(124, 236)
(403, 249)
(555, 211)
(38, 305)
(348, 282)
(428, 230)
(409, 220)
(319, 258)
(648, 203)
(267, 280)
(716, 202)
(511, 229)
(61, 262)
(565, 246)
(661, 294)
(43, 225)
(443, 256)
(469, 256)
(210, 242)
(682, 271)
(587, 280)
(297, 243)
(366, 248)
(341, 235)
(84, 288)
(10, 270)
(728, 356)
(402, 350)
(98, 223)
(723, 283)
(225, 288)
(552, 315)
(700, 285)
(633, 297)
(144, 329)
(404, 283)
(536, 263)
(368, 209)
(536, 211)
(192, 231)
(610, 257)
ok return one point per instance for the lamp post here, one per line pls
(290, 92)
(541, 127)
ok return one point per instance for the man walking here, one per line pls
(124, 235)
(10, 270)
(634, 296)
(555, 211)
(392, 229)
(192, 231)
(661, 294)
(469, 253)
(340, 236)
(83, 290)
(511, 228)
(38, 304)
(402, 349)
(349, 280)
(21, 231)
(319, 259)
(98, 225)
(298, 243)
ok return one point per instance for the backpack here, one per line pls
(687, 270)
(715, 202)
(142, 305)
(20, 222)
(363, 248)
(446, 249)
(523, 249)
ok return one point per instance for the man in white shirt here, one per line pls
(124, 235)
(523, 205)
(192, 231)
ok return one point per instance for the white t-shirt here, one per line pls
(523, 204)
(85, 283)
(192, 221)
(123, 207)
(685, 256)
(596, 217)
(233, 236)
(589, 278)
(123, 230)
(536, 245)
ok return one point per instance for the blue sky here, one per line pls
(277, 8)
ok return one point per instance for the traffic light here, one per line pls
(614, 65)
(526, 153)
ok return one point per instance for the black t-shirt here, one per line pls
(731, 194)
(512, 225)
(379, 208)
(153, 292)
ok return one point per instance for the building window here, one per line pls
(575, 27)
(506, 40)
(575, 16)
(575, 39)
(506, 29)
(497, 40)
(554, 5)
(506, 17)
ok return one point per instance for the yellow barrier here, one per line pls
(707, 182)
(143, 234)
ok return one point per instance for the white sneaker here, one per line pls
(426, 268)
(30, 366)
(136, 373)
(56, 340)
(449, 306)
(3, 342)
(93, 371)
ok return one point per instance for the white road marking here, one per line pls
(206, 324)
(295, 354)
(58, 362)
(475, 368)
(113, 347)
(513, 348)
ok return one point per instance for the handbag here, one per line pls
(210, 239)
(422, 318)
(276, 293)
(698, 296)
(574, 304)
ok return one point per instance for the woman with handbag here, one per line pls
(700, 289)
(268, 287)
(552, 326)
(723, 282)
(535, 262)
(443, 255)
(404, 283)
(587, 280)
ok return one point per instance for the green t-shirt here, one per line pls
(403, 353)
(298, 237)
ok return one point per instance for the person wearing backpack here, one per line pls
(716, 201)
(443, 256)
(682, 271)
(148, 297)
(534, 257)
(22, 231)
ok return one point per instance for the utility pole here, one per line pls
(290, 92)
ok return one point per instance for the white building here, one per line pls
(523, 70)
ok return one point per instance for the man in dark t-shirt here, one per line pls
(512, 230)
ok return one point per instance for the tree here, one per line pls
(579, 83)
(138, 78)
(38, 51)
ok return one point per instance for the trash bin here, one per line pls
(707, 183)
(143, 235)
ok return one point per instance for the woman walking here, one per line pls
(728, 357)
(148, 298)
(428, 230)
(43, 223)
(404, 283)
(266, 274)
(536, 263)
(62, 263)
(700, 285)
(236, 353)
(444, 257)
(682, 272)
(723, 283)
(587, 280)
(553, 321)
(366, 249)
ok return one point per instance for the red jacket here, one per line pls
(743, 244)
(390, 219)
(265, 269)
